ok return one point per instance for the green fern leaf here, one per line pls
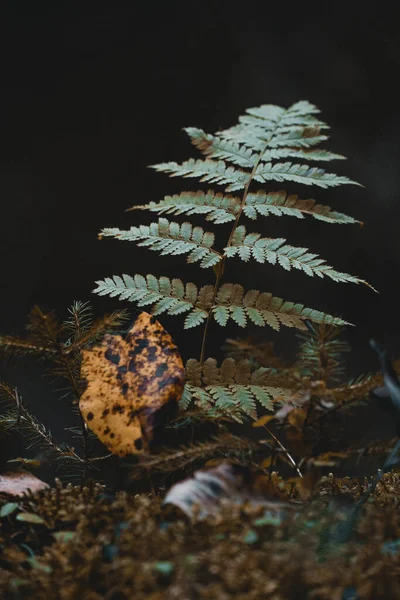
(186, 398)
(172, 238)
(195, 318)
(266, 127)
(275, 251)
(221, 315)
(300, 174)
(243, 397)
(218, 208)
(232, 387)
(215, 171)
(216, 147)
(167, 295)
(303, 154)
(279, 203)
(265, 309)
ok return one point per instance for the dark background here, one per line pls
(90, 98)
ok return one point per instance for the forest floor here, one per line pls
(88, 544)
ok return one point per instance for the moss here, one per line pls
(94, 545)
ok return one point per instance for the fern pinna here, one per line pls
(259, 149)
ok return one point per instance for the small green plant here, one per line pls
(259, 149)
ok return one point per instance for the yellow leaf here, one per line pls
(132, 383)
(263, 420)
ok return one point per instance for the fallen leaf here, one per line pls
(8, 509)
(202, 494)
(262, 421)
(164, 567)
(27, 517)
(17, 483)
(132, 384)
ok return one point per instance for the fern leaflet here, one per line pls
(217, 207)
(275, 251)
(172, 238)
(233, 385)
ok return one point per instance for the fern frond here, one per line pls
(275, 251)
(233, 385)
(218, 208)
(173, 297)
(261, 308)
(236, 179)
(166, 295)
(226, 149)
(276, 127)
(172, 238)
(301, 153)
(221, 208)
(215, 171)
(279, 203)
(300, 174)
(211, 145)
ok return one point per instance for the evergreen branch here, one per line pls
(33, 430)
(44, 328)
(172, 238)
(275, 251)
(98, 328)
(321, 351)
(79, 321)
(168, 460)
(18, 346)
(218, 208)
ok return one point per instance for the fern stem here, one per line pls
(221, 265)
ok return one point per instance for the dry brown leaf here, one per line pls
(132, 383)
(202, 494)
(18, 483)
(296, 418)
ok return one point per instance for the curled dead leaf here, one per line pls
(132, 384)
(202, 494)
(18, 483)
